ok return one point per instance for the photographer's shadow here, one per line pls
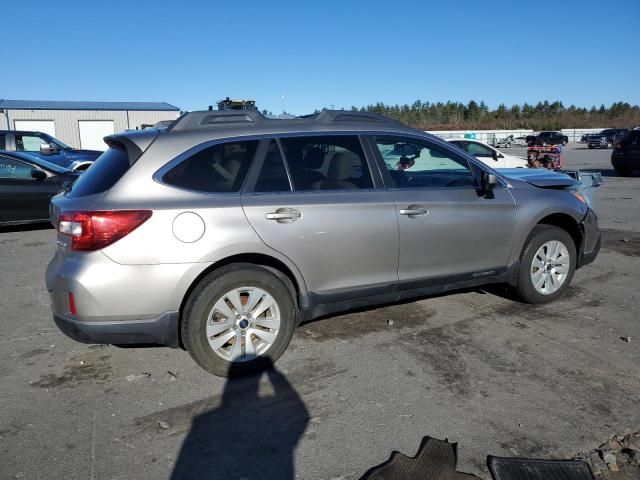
(248, 436)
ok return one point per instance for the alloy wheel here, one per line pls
(550, 267)
(243, 324)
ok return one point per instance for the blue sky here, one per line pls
(323, 53)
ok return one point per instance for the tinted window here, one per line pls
(29, 143)
(3, 145)
(219, 168)
(478, 150)
(273, 174)
(103, 174)
(460, 145)
(10, 168)
(327, 163)
(415, 164)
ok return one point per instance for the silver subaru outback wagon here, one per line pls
(224, 232)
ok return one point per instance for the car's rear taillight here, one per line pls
(618, 146)
(95, 230)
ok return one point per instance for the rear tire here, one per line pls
(623, 172)
(221, 307)
(547, 264)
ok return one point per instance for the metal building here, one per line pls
(82, 124)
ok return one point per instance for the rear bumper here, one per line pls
(162, 330)
(625, 162)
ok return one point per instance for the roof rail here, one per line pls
(208, 119)
(353, 116)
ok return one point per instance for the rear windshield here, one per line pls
(103, 174)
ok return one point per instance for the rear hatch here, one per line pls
(124, 150)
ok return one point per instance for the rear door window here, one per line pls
(103, 174)
(220, 168)
(327, 163)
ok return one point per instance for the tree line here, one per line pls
(542, 116)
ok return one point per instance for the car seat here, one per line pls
(338, 176)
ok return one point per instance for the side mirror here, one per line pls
(489, 181)
(495, 155)
(48, 149)
(38, 174)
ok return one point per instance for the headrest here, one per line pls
(341, 167)
(232, 162)
(314, 159)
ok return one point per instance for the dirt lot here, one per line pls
(497, 376)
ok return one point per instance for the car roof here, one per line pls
(227, 123)
(196, 128)
(24, 132)
(25, 157)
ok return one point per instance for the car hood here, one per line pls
(539, 177)
(83, 154)
(515, 160)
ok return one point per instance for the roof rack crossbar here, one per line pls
(217, 118)
(354, 116)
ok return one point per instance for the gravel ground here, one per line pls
(494, 375)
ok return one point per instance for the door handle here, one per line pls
(284, 215)
(414, 211)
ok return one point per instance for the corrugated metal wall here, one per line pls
(66, 121)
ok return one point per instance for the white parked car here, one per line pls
(489, 155)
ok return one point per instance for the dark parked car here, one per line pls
(606, 138)
(46, 147)
(547, 138)
(27, 184)
(625, 157)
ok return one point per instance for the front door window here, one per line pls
(413, 164)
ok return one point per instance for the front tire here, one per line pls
(238, 320)
(547, 264)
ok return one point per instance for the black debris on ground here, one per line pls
(435, 460)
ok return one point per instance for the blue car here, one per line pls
(48, 148)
